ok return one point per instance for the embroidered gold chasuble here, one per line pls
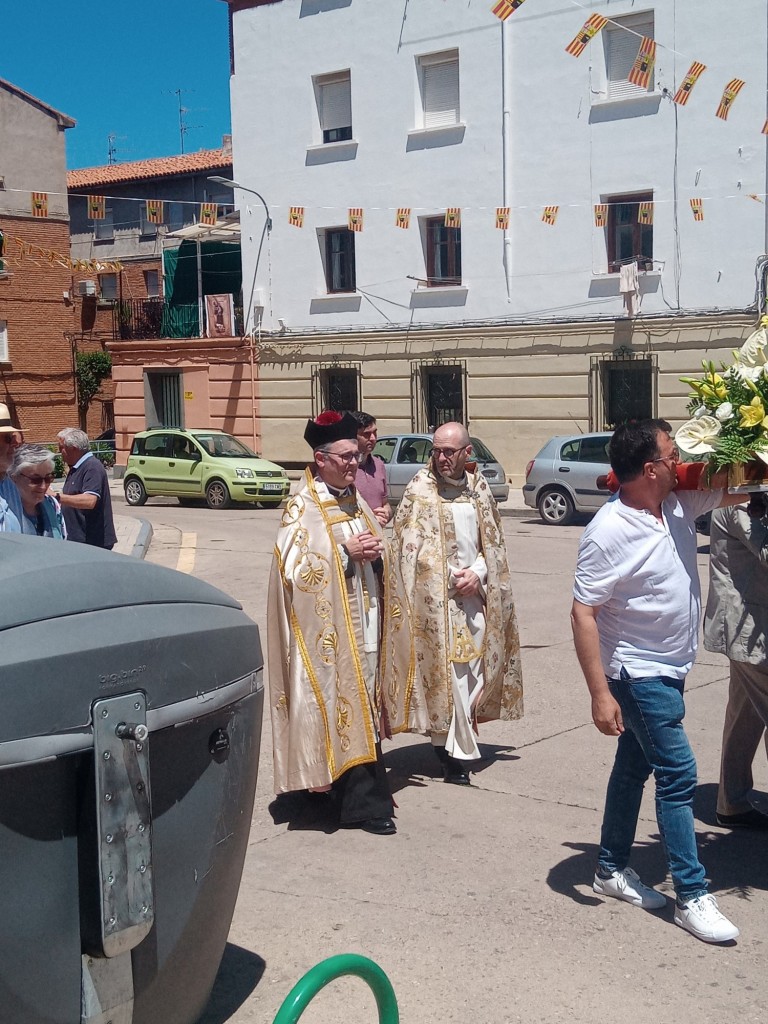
(426, 545)
(330, 700)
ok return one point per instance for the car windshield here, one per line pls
(480, 452)
(224, 446)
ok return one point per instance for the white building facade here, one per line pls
(439, 111)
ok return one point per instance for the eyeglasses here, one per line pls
(347, 457)
(37, 480)
(675, 456)
(447, 453)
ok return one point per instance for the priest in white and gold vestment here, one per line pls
(341, 661)
(453, 559)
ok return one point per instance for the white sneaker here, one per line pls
(626, 885)
(702, 918)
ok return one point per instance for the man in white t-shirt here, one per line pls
(635, 617)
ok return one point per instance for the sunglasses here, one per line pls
(38, 480)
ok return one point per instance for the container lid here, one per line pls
(43, 579)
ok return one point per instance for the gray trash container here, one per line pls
(130, 718)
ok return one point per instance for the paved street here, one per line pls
(481, 908)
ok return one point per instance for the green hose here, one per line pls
(304, 991)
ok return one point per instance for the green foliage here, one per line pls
(91, 368)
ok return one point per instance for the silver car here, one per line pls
(562, 479)
(405, 454)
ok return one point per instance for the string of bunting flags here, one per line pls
(96, 208)
(640, 73)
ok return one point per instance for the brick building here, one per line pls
(37, 314)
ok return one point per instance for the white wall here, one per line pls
(567, 148)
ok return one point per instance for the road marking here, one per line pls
(186, 561)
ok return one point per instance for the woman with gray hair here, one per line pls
(32, 472)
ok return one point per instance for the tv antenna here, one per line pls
(112, 149)
(184, 128)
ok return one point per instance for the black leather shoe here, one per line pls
(752, 818)
(456, 773)
(378, 826)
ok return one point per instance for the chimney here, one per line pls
(226, 144)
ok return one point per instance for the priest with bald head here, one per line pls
(341, 660)
(452, 555)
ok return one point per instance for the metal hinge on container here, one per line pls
(123, 821)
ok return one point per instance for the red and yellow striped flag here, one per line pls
(549, 216)
(589, 30)
(296, 216)
(355, 218)
(601, 215)
(646, 57)
(755, 196)
(97, 207)
(209, 213)
(403, 217)
(453, 217)
(155, 211)
(765, 128)
(502, 217)
(695, 72)
(697, 206)
(39, 204)
(645, 213)
(730, 93)
(504, 8)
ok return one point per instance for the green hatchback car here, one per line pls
(195, 464)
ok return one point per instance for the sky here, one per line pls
(115, 66)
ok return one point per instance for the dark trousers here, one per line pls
(363, 792)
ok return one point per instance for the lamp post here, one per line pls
(229, 183)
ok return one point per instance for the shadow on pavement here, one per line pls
(575, 873)
(305, 812)
(407, 763)
(240, 972)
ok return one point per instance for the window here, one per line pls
(107, 286)
(104, 229)
(339, 389)
(444, 395)
(627, 386)
(177, 215)
(384, 448)
(627, 239)
(340, 260)
(147, 227)
(3, 341)
(439, 89)
(152, 283)
(621, 39)
(443, 253)
(414, 450)
(334, 106)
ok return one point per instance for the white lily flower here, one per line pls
(701, 411)
(724, 412)
(752, 352)
(698, 436)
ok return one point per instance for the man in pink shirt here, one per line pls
(371, 479)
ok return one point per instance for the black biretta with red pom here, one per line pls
(330, 426)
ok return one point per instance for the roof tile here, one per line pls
(145, 170)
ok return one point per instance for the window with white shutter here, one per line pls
(439, 86)
(622, 38)
(3, 341)
(334, 106)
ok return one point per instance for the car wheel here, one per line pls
(555, 508)
(217, 494)
(134, 491)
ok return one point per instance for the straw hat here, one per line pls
(6, 426)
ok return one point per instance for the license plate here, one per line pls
(271, 487)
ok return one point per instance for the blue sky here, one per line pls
(114, 67)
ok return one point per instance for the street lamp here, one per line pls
(228, 183)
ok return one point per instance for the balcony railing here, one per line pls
(142, 319)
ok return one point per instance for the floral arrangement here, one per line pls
(729, 408)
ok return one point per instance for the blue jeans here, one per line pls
(653, 741)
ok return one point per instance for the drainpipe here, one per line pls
(506, 142)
